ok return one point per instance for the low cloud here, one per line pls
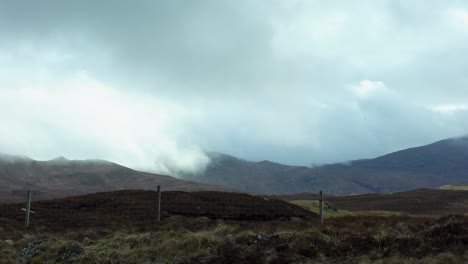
(82, 118)
(154, 84)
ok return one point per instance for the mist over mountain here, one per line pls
(61, 177)
(429, 166)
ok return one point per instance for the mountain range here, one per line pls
(440, 163)
(61, 177)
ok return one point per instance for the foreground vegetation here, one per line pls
(356, 239)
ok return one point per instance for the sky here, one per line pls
(154, 85)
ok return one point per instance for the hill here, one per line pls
(430, 166)
(137, 207)
(428, 202)
(61, 177)
(415, 202)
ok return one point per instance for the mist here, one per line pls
(153, 85)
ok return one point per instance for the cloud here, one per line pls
(152, 84)
(367, 87)
(449, 108)
(460, 18)
(82, 118)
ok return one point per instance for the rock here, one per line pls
(27, 236)
(31, 250)
(9, 242)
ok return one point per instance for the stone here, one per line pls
(27, 236)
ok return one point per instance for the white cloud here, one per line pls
(367, 87)
(460, 18)
(80, 117)
(449, 108)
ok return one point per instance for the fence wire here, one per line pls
(136, 207)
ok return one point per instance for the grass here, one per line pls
(347, 239)
(380, 213)
(454, 187)
(330, 210)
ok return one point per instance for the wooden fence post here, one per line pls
(321, 206)
(158, 204)
(28, 208)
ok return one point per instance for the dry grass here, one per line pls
(454, 187)
(351, 239)
(329, 209)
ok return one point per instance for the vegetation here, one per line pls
(454, 187)
(348, 239)
(329, 209)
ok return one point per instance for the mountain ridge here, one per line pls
(440, 163)
(61, 177)
(429, 166)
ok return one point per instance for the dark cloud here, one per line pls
(301, 82)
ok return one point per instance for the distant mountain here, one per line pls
(61, 177)
(430, 166)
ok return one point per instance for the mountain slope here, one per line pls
(61, 177)
(440, 163)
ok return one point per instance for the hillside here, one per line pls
(429, 166)
(61, 177)
(137, 208)
(415, 202)
(433, 202)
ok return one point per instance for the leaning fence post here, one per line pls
(28, 208)
(321, 206)
(158, 204)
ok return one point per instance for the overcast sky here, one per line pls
(154, 84)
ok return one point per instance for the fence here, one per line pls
(137, 208)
